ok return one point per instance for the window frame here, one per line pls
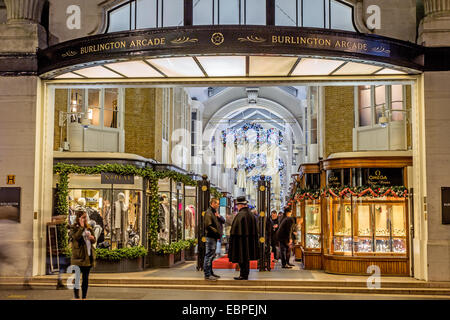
(373, 106)
(188, 8)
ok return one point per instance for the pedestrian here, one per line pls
(221, 221)
(83, 254)
(274, 242)
(212, 229)
(285, 237)
(243, 239)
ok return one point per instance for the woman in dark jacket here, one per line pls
(83, 253)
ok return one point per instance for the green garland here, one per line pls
(346, 191)
(62, 192)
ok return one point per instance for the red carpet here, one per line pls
(224, 263)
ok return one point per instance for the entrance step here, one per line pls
(388, 287)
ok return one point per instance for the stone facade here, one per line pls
(339, 119)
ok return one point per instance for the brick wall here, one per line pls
(140, 122)
(339, 119)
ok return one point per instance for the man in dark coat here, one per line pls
(285, 237)
(274, 243)
(243, 239)
(213, 233)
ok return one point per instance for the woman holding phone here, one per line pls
(83, 253)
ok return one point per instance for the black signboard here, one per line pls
(445, 192)
(10, 204)
(334, 179)
(114, 178)
(383, 177)
(196, 40)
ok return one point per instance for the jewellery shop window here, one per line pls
(340, 224)
(313, 228)
(190, 210)
(114, 213)
(171, 217)
(367, 227)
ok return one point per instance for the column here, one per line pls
(434, 31)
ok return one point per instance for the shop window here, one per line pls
(313, 228)
(376, 227)
(172, 212)
(114, 214)
(328, 14)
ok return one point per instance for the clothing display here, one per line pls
(189, 221)
(120, 223)
(230, 152)
(164, 220)
(241, 177)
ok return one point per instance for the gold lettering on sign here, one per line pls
(103, 47)
(321, 42)
(312, 41)
(148, 43)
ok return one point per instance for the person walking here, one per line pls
(243, 245)
(82, 238)
(285, 237)
(274, 242)
(213, 232)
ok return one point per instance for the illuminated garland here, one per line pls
(261, 134)
(358, 192)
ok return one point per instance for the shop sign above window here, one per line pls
(114, 178)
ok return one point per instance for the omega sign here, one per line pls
(379, 179)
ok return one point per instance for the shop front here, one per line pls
(143, 214)
(367, 216)
(359, 219)
(308, 214)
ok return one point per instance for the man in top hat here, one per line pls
(243, 245)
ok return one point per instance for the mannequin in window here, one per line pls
(189, 220)
(120, 225)
(164, 219)
(173, 222)
(107, 217)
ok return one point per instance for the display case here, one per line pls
(190, 210)
(313, 226)
(366, 215)
(114, 211)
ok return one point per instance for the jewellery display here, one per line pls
(313, 241)
(342, 244)
(363, 245)
(399, 245)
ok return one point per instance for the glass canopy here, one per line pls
(231, 66)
